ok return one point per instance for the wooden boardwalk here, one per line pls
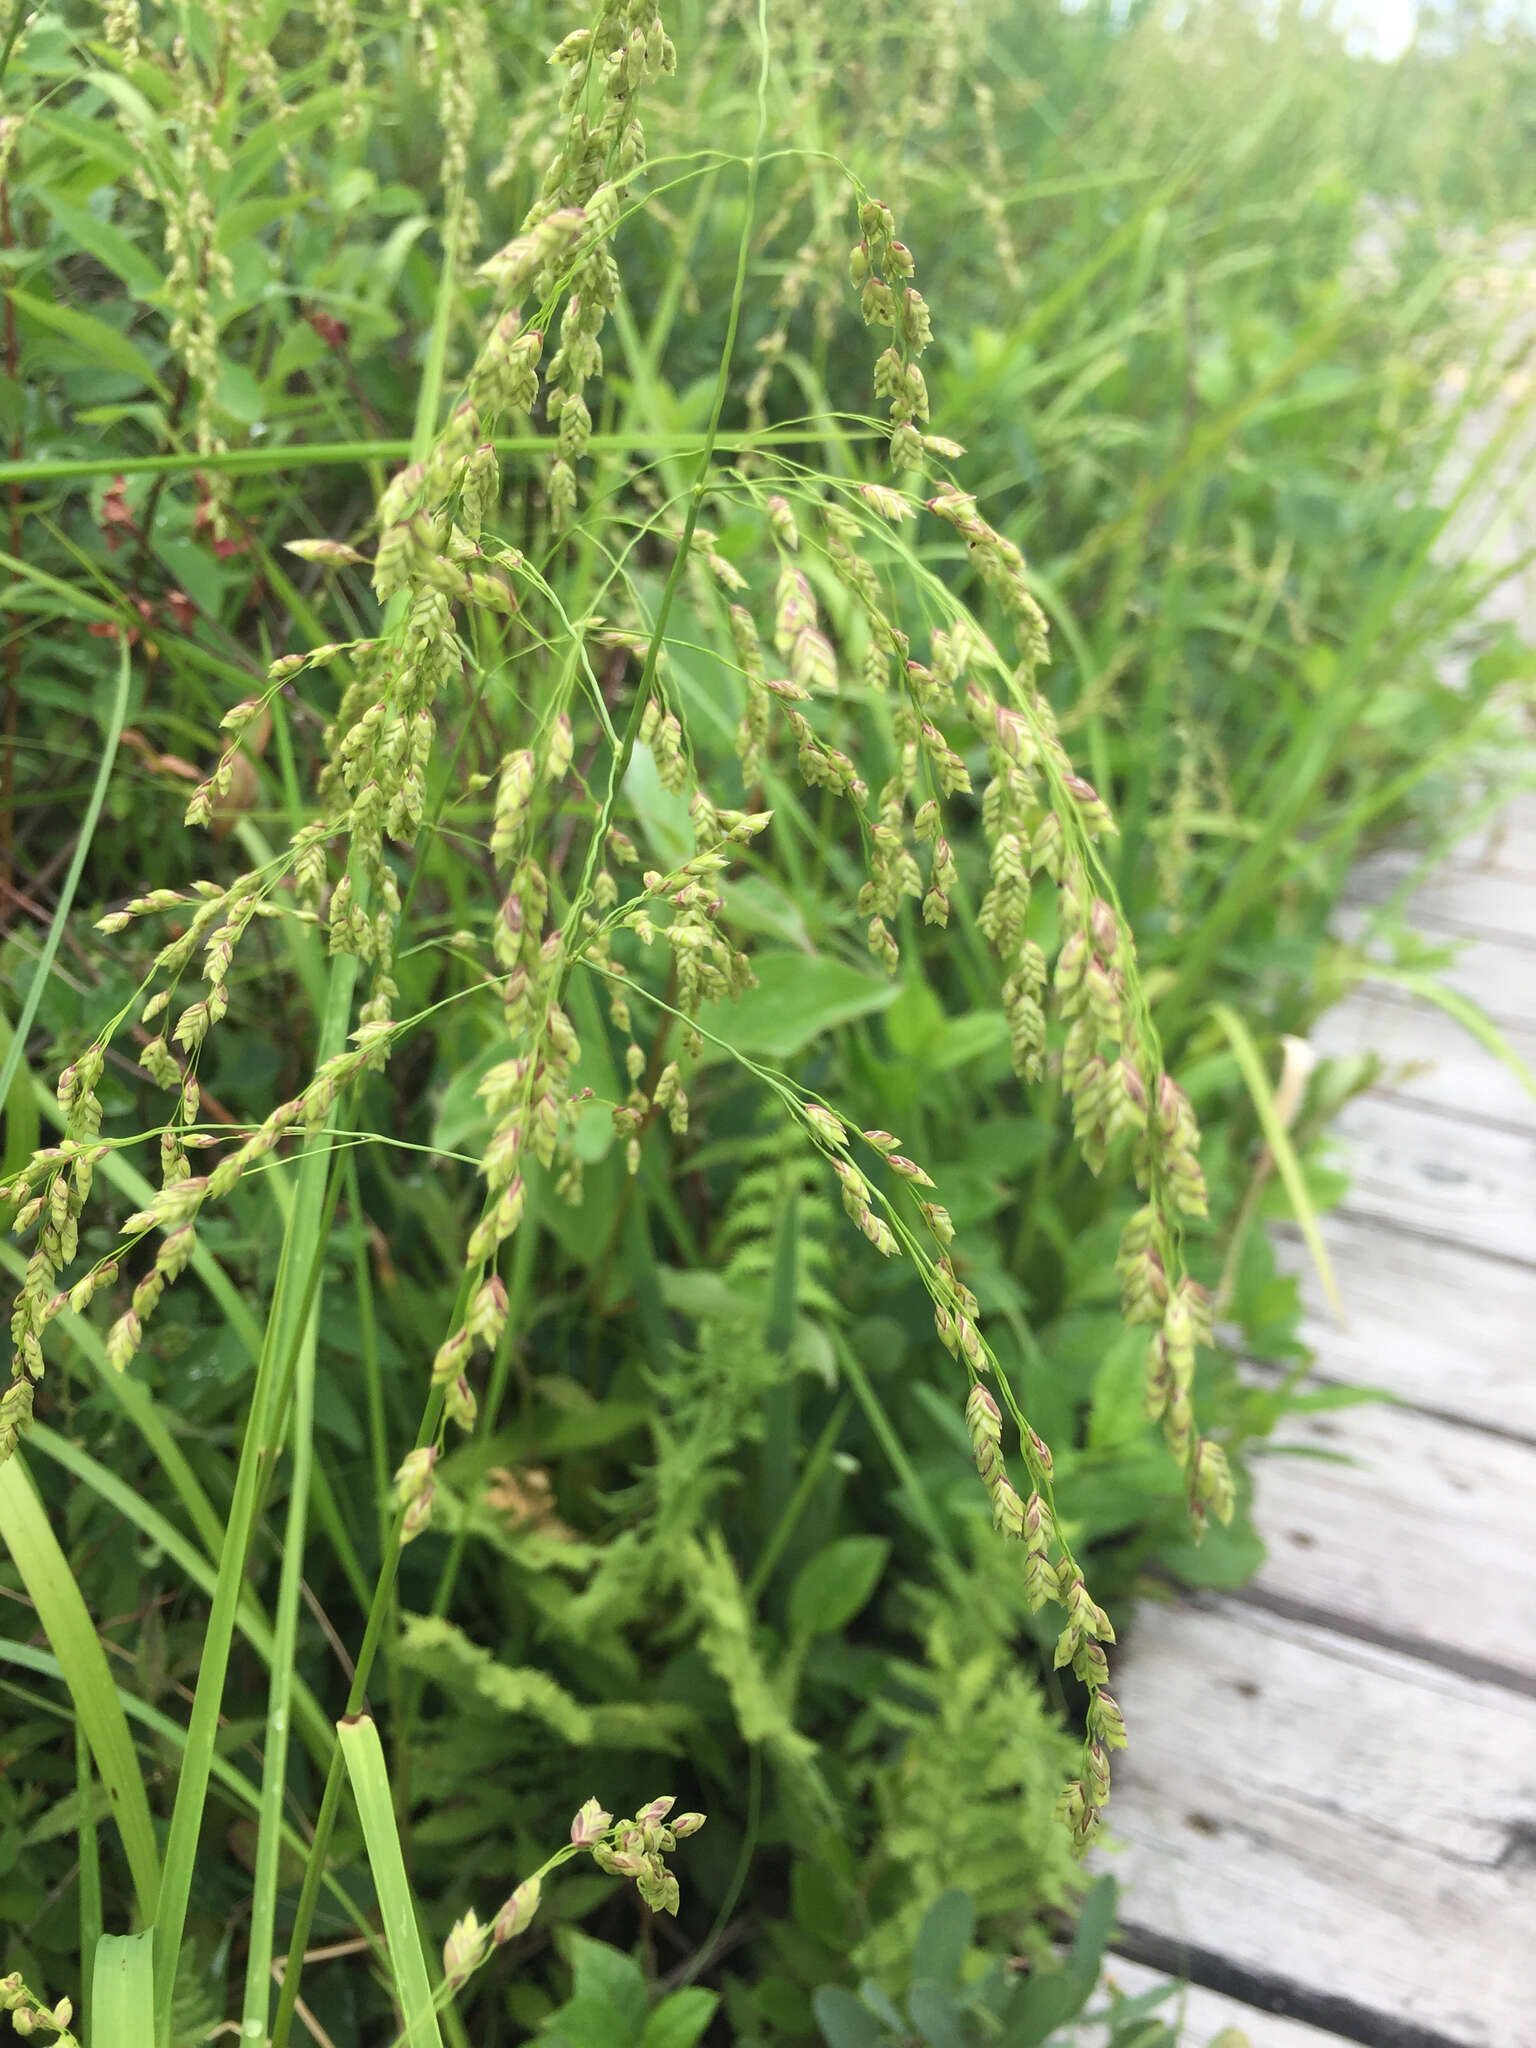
(1330, 1797)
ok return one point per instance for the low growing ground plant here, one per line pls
(644, 1076)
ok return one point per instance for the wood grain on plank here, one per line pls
(1499, 975)
(1435, 1324)
(1427, 1538)
(1430, 1059)
(1215, 1684)
(1332, 1814)
(1508, 844)
(1496, 903)
(1440, 1177)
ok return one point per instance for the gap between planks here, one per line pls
(1331, 1790)
(1332, 1817)
(1433, 1174)
(1440, 1326)
(1423, 1541)
(1199, 2014)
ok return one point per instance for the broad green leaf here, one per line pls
(139, 116)
(846, 2022)
(609, 1999)
(1227, 1556)
(1064, 1993)
(831, 1589)
(386, 265)
(915, 1021)
(971, 1037)
(797, 999)
(100, 343)
(1119, 1389)
(461, 1116)
(1095, 1924)
(679, 2020)
(663, 816)
(944, 1937)
(249, 216)
(96, 141)
(881, 2004)
(936, 2016)
(118, 252)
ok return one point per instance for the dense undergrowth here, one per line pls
(509, 1102)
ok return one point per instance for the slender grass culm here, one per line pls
(609, 773)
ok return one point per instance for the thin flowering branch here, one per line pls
(29, 2014)
(634, 1849)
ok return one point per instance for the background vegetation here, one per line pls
(1202, 323)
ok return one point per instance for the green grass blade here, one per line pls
(123, 1992)
(258, 1453)
(922, 1508)
(810, 1477)
(274, 1766)
(67, 1624)
(305, 455)
(368, 1332)
(783, 1296)
(1278, 1139)
(22, 1125)
(90, 1872)
(290, 1330)
(116, 715)
(127, 1502)
(24, 1657)
(364, 1755)
(295, 1297)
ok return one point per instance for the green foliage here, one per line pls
(947, 2004)
(717, 1524)
(610, 2005)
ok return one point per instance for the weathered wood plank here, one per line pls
(1508, 845)
(1494, 903)
(1497, 974)
(1426, 1540)
(1435, 1324)
(1458, 1183)
(1199, 2015)
(1332, 1814)
(1432, 1060)
(1209, 1687)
